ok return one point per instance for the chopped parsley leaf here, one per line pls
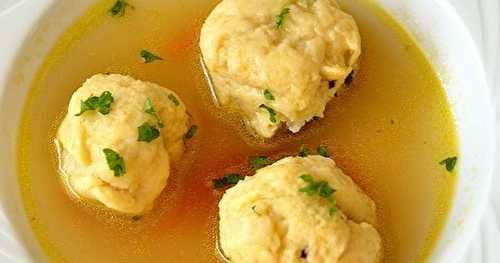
(102, 104)
(280, 19)
(268, 95)
(149, 57)
(257, 162)
(304, 151)
(227, 180)
(450, 163)
(323, 151)
(174, 99)
(191, 132)
(115, 162)
(105, 101)
(320, 188)
(148, 108)
(89, 104)
(118, 9)
(147, 133)
(272, 114)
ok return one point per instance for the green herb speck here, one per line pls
(191, 132)
(147, 133)
(149, 57)
(268, 95)
(115, 162)
(320, 188)
(449, 163)
(323, 151)
(257, 162)
(227, 180)
(304, 151)
(174, 99)
(272, 114)
(102, 104)
(280, 19)
(118, 9)
(149, 109)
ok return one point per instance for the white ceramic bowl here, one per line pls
(29, 28)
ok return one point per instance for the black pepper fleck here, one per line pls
(331, 84)
(303, 253)
(349, 78)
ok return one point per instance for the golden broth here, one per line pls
(388, 132)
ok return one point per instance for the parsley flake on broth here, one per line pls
(147, 133)
(115, 162)
(149, 57)
(119, 8)
(102, 104)
(191, 132)
(227, 180)
(304, 152)
(449, 163)
(323, 151)
(257, 162)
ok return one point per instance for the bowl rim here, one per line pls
(32, 11)
(451, 248)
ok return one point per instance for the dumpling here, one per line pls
(269, 217)
(118, 140)
(279, 61)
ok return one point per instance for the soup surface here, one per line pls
(389, 132)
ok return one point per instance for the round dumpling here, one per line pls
(284, 213)
(279, 61)
(118, 139)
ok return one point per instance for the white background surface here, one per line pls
(482, 17)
